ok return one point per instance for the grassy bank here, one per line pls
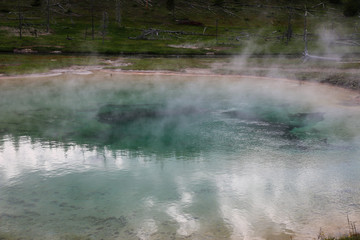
(15, 64)
(194, 27)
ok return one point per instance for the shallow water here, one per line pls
(240, 164)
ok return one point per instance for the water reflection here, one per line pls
(65, 174)
(245, 195)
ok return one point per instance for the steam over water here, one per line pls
(176, 157)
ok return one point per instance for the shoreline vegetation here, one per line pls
(350, 237)
(168, 27)
(185, 28)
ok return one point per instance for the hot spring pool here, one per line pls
(121, 156)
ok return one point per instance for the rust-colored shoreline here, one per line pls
(93, 70)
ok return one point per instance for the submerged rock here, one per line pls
(113, 114)
(305, 119)
(242, 115)
(288, 121)
(126, 113)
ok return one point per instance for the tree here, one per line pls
(170, 5)
(20, 9)
(351, 8)
(219, 3)
(20, 18)
(92, 9)
(305, 33)
(335, 1)
(104, 26)
(60, 7)
(289, 30)
(47, 16)
(118, 12)
(36, 3)
(95, 10)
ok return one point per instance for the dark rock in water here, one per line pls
(291, 121)
(304, 119)
(294, 147)
(126, 113)
(313, 117)
(129, 113)
(241, 115)
(282, 122)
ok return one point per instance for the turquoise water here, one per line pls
(176, 157)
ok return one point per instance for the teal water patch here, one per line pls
(150, 157)
(146, 111)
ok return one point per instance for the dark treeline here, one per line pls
(115, 8)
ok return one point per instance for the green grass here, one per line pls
(264, 26)
(11, 64)
(15, 64)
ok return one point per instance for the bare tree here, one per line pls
(289, 30)
(92, 9)
(216, 25)
(145, 3)
(104, 26)
(170, 5)
(305, 33)
(21, 18)
(47, 16)
(118, 12)
(59, 7)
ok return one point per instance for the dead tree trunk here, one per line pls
(170, 5)
(305, 34)
(289, 30)
(104, 25)
(92, 20)
(85, 34)
(20, 16)
(48, 16)
(216, 31)
(118, 12)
